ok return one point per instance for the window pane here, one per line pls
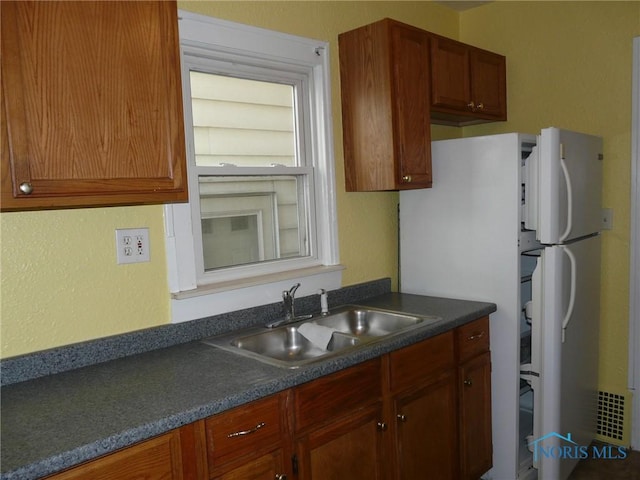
(243, 122)
(252, 219)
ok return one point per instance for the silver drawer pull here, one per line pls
(476, 336)
(247, 432)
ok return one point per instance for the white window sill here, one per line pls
(217, 298)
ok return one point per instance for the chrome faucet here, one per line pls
(288, 298)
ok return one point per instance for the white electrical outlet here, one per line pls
(132, 245)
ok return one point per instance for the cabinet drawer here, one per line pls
(329, 397)
(418, 362)
(245, 429)
(472, 338)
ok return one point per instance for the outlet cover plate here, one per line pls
(132, 245)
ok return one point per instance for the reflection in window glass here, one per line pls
(232, 240)
(242, 122)
(249, 219)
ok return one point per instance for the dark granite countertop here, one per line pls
(56, 421)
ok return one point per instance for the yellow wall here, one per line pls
(569, 65)
(59, 280)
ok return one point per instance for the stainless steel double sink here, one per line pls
(347, 328)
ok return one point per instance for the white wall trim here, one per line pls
(634, 281)
(218, 302)
(208, 42)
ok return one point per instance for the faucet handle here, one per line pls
(324, 304)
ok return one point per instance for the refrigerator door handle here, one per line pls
(572, 293)
(567, 179)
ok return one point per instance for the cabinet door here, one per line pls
(468, 84)
(474, 379)
(159, 458)
(384, 81)
(266, 467)
(410, 51)
(348, 448)
(488, 83)
(365, 85)
(450, 79)
(427, 431)
(92, 104)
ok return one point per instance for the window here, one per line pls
(260, 162)
(255, 125)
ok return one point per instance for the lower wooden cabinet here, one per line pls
(171, 456)
(422, 390)
(426, 422)
(350, 447)
(339, 425)
(249, 442)
(475, 417)
(267, 467)
(423, 411)
(474, 398)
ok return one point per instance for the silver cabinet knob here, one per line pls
(406, 178)
(468, 382)
(26, 188)
(382, 426)
(402, 418)
(281, 476)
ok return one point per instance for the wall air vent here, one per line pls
(611, 412)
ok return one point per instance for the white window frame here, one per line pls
(193, 296)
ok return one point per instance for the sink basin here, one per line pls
(289, 345)
(353, 327)
(368, 322)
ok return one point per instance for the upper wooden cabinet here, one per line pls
(91, 104)
(468, 85)
(384, 72)
(395, 81)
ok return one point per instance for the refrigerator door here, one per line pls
(565, 329)
(459, 239)
(569, 185)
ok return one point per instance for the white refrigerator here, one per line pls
(514, 219)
